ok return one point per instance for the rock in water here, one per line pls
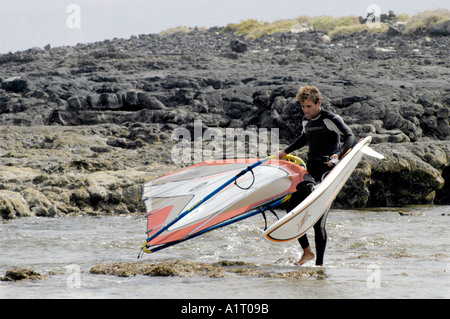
(21, 274)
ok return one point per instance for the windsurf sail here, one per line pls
(212, 194)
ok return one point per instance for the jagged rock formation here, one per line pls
(84, 126)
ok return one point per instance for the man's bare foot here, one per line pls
(307, 256)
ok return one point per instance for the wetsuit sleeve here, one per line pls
(349, 138)
(298, 143)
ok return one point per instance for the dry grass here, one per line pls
(254, 29)
(181, 29)
(327, 23)
(244, 27)
(356, 28)
(424, 21)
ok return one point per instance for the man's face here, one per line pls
(311, 109)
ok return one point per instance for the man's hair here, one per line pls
(309, 92)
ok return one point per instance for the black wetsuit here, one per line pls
(322, 134)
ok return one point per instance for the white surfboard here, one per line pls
(298, 221)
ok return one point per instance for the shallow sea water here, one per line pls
(372, 253)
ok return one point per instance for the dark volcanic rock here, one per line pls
(238, 46)
(441, 28)
(83, 127)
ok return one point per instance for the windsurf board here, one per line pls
(298, 221)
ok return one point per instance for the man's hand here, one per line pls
(281, 154)
(333, 160)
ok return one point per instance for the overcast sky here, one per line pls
(35, 23)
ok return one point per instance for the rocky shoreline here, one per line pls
(84, 127)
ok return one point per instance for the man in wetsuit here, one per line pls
(322, 130)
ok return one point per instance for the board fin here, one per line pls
(371, 152)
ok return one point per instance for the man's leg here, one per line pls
(307, 251)
(303, 190)
(320, 238)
